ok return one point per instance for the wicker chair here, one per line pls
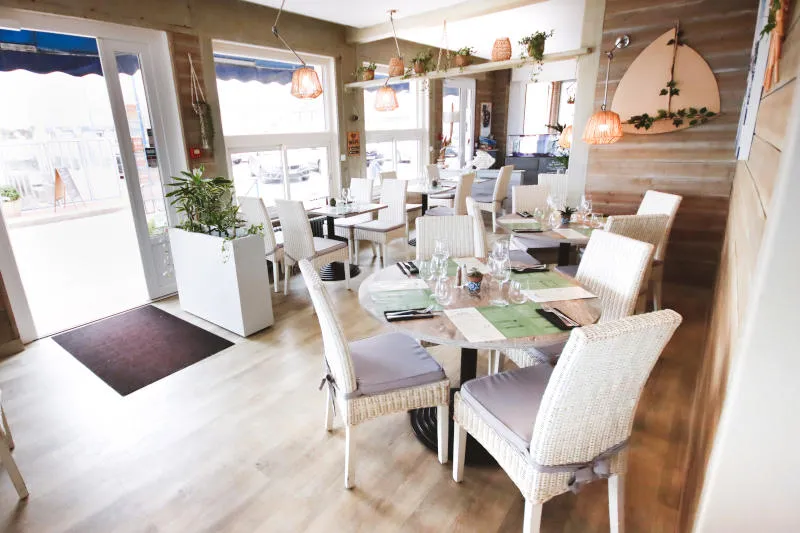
(529, 198)
(557, 185)
(255, 212)
(456, 231)
(478, 229)
(463, 191)
(6, 446)
(443, 198)
(391, 223)
(494, 203)
(300, 243)
(554, 430)
(382, 375)
(361, 189)
(655, 202)
(614, 268)
(388, 175)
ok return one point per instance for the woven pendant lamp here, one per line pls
(501, 51)
(305, 81)
(386, 99)
(605, 127)
(565, 139)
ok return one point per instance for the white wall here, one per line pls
(753, 478)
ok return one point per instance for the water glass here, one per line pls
(425, 271)
(443, 291)
(441, 248)
(439, 264)
(500, 249)
(515, 295)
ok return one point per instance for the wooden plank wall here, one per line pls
(750, 202)
(9, 334)
(697, 163)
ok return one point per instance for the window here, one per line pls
(397, 140)
(537, 109)
(458, 121)
(566, 105)
(278, 146)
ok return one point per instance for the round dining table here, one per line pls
(439, 330)
(564, 237)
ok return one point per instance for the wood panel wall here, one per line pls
(9, 334)
(749, 209)
(697, 163)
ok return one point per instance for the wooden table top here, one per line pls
(344, 211)
(508, 222)
(444, 186)
(440, 330)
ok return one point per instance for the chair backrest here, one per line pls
(432, 172)
(388, 175)
(463, 190)
(254, 211)
(613, 267)
(298, 241)
(558, 185)
(645, 228)
(478, 229)
(361, 189)
(337, 349)
(529, 197)
(501, 184)
(456, 231)
(661, 203)
(393, 194)
(590, 400)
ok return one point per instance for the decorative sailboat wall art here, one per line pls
(669, 87)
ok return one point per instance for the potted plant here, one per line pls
(566, 214)
(219, 260)
(534, 44)
(474, 279)
(11, 201)
(464, 56)
(366, 72)
(422, 62)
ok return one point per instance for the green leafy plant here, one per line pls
(474, 275)
(465, 51)
(566, 213)
(364, 68)
(10, 193)
(772, 18)
(207, 205)
(557, 127)
(562, 159)
(423, 61)
(534, 43)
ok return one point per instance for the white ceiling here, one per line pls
(358, 13)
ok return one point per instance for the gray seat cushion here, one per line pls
(443, 195)
(390, 362)
(323, 246)
(509, 401)
(377, 225)
(440, 211)
(568, 270)
(483, 198)
(548, 353)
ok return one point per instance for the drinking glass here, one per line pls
(554, 220)
(500, 248)
(551, 202)
(515, 295)
(500, 269)
(444, 291)
(597, 222)
(439, 264)
(425, 271)
(440, 247)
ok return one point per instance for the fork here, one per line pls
(564, 318)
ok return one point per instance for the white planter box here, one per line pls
(229, 289)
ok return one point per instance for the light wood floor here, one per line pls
(236, 443)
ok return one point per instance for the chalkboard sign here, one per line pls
(65, 186)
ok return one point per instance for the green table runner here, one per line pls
(535, 281)
(402, 300)
(521, 224)
(515, 321)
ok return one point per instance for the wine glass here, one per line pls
(500, 248)
(515, 295)
(425, 271)
(500, 269)
(443, 291)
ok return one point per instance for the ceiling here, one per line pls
(357, 13)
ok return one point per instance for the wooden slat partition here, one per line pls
(697, 163)
(753, 185)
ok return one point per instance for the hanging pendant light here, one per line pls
(305, 80)
(565, 139)
(605, 127)
(386, 98)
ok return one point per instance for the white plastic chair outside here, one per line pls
(529, 198)
(586, 406)
(655, 202)
(456, 231)
(391, 223)
(500, 193)
(6, 447)
(478, 229)
(255, 212)
(300, 243)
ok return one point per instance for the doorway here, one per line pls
(85, 159)
(458, 121)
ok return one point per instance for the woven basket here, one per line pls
(396, 67)
(501, 51)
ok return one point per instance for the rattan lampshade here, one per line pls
(565, 139)
(305, 83)
(386, 99)
(501, 51)
(396, 66)
(604, 127)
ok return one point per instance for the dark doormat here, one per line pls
(134, 349)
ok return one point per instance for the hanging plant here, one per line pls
(366, 72)
(202, 110)
(464, 56)
(422, 62)
(534, 46)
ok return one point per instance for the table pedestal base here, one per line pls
(335, 271)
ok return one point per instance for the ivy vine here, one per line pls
(772, 18)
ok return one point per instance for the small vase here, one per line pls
(501, 51)
(474, 285)
(565, 220)
(396, 67)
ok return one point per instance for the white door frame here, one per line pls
(466, 104)
(164, 91)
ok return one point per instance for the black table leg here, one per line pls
(424, 423)
(564, 250)
(335, 271)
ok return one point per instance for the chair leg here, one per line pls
(384, 254)
(490, 368)
(616, 503)
(12, 469)
(355, 252)
(459, 449)
(533, 517)
(276, 275)
(442, 423)
(349, 460)
(329, 411)
(347, 275)
(374, 252)
(498, 362)
(6, 429)
(286, 274)
(494, 221)
(657, 295)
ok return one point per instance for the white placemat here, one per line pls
(569, 233)
(473, 325)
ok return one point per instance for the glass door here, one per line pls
(141, 135)
(458, 117)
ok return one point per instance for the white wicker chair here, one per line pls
(388, 175)
(478, 229)
(613, 268)
(300, 243)
(6, 446)
(361, 189)
(255, 212)
(463, 191)
(391, 223)
(443, 198)
(456, 231)
(494, 203)
(557, 185)
(655, 202)
(382, 375)
(529, 198)
(554, 430)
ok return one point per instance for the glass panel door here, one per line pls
(458, 117)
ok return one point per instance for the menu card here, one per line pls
(516, 321)
(569, 233)
(541, 280)
(397, 285)
(402, 300)
(558, 294)
(473, 325)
